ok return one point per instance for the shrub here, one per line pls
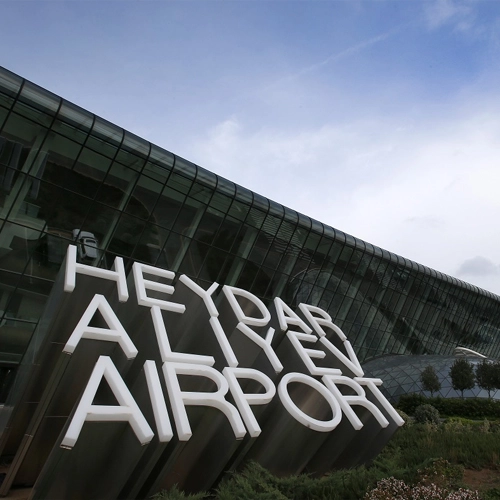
(485, 426)
(405, 417)
(175, 494)
(456, 425)
(426, 414)
(391, 489)
(475, 408)
(409, 402)
(472, 449)
(253, 483)
(387, 489)
(442, 473)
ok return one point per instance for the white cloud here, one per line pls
(426, 190)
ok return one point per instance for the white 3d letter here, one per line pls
(264, 344)
(298, 414)
(372, 384)
(347, 401)
(160, 412)
(322, 319)
(230, 292)
(244, 400)
(287, 317)
(206, 295)
(179, 399)
(141, 285)
(115, 332)
(117, 274)
(127, 411)
(166, 352)
(308, 354)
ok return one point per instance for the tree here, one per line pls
(487, 376)
(430, 380)
(496, 367)
(462, 375)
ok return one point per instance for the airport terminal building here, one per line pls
(68, 177)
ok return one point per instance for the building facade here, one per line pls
(68, 177)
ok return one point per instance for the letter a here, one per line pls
(115, 332)
(126, 411)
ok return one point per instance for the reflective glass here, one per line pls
(143, 198)
(65, 173)
(3, 114)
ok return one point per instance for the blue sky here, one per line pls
(380, 118)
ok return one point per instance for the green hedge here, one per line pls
(469, 408)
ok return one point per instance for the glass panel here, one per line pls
(247, 275)
(214, 263)
(3, 113)
(21, 131)
(206, 178)
(259, 250)
(179, 183)
(106, 134)
(61, 156)
(194, 259)
(167, 208)
(239, 210)
(185, 168)
(51, 252)
(157, 172)
(225, 269)
(39, 99)
(200, 193)
(74, 122)
(161, 157)
(60, 209)
(32, 116)
(151, 246)
(171, 249)
(128, 160)
(100, 221)
(126, 236)
(230, 235)
(255, 218)
(188, 218)
(90, 171)
(261, 282)
(207, 228)
(133, 148)
(117, 186)
(226, 187)
(244, 195)
(143, 198)
(17, 243)
(10, 83)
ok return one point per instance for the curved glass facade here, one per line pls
(401, 375)
(68, 176)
